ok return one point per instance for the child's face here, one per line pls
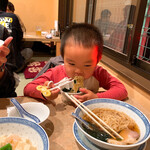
(79, 61)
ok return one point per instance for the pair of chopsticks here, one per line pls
(61, 83)
(47, 92)
(90, 114)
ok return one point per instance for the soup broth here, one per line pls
(118, 121)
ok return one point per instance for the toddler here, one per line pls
(81, 49)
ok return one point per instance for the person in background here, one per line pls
(35, 46)
(81, 49)
(122, 32)
(8, 81)
(11, 9)
(104, 22)
(11, 22)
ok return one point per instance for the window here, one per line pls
(125, 42)
(144, 46)
(114, 19)
(126, 32)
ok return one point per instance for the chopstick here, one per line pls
(91, 114)
(57, 85)
(44, 89)
(62, 81)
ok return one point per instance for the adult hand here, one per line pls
(4, 50)
(87, 94)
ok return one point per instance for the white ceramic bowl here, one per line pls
(25, 129)
(140, 119)
(38, 109)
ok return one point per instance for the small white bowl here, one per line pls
(25, 129)
(38, 109)
(140, 119)
(65, 99)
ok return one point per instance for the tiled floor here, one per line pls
(23, 81)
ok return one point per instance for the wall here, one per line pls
(79, 11)
(37, 13)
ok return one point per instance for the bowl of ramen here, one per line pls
(125, 119)
(19, 133)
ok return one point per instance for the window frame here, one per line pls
(129, 62)
(132, 68)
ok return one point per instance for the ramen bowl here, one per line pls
(135, 114)
(25, 129)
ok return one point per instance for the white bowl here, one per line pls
(25, 129)
(38, 109)
(140, 119)
(65, 99)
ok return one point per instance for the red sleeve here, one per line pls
(114, 88)
(55, 74)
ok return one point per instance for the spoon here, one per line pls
(92, 129)
(23, 112)
(82, 121)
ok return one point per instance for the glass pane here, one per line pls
(79, 9)
(90, 11)
(144, 46)
(113, 19)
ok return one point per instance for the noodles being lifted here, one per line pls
(118, 121)
(78, 83)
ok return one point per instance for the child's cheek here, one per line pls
(69, 71)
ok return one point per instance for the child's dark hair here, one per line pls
(85, 34)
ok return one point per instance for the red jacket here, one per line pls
(101, 78)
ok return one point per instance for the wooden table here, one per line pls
(59, 124)
(31, 36)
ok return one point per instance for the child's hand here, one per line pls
(87, 94)
(54, 93)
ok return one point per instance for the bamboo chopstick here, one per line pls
(100, 120)
(91, 114)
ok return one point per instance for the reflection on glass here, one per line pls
(104, 22)
(112, 18)
(117, 37)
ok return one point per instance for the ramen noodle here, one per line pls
(115, 119)
(17, 142)
(78, 83)
(120, 122)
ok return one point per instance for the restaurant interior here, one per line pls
(125, 26)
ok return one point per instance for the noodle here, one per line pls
(115, 119)
(78, 83)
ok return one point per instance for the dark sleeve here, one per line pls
(7, 84)
(11, 58)
(17, 32)
(17, 26)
